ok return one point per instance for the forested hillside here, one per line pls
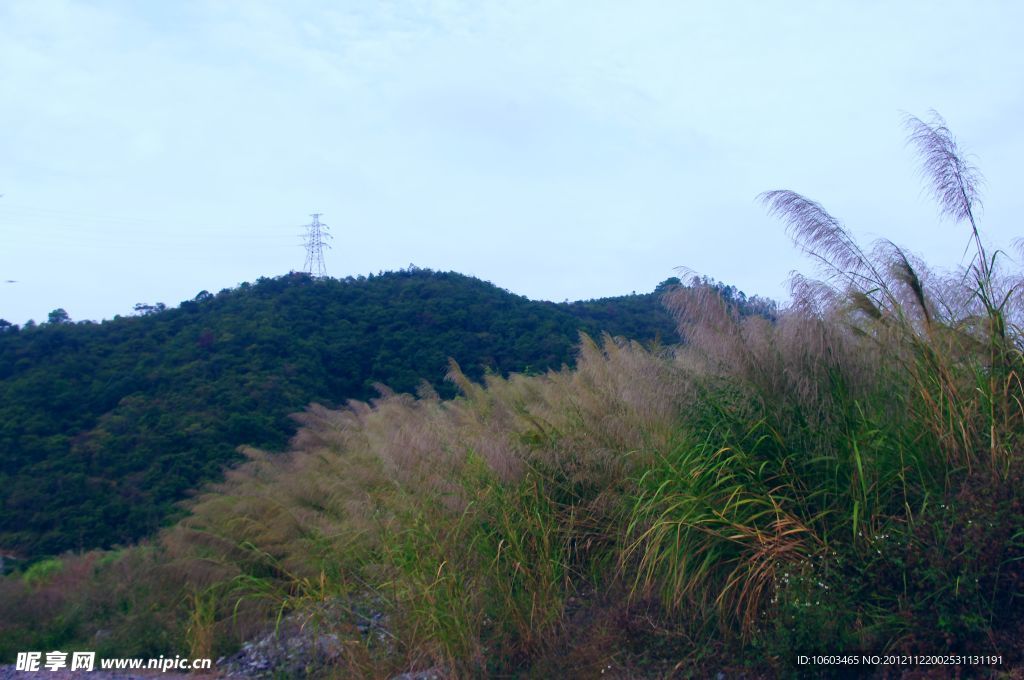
(104, 426)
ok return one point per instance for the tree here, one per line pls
(143, 309)
(58, 316)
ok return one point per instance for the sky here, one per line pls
(560, 150)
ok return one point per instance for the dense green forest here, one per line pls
(104, 426)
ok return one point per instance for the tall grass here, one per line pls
(472, 522)
(114, 603)
(841, 477)
(881, 399)
(779, 485)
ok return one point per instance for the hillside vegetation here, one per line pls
(841, 479)
(103, 427)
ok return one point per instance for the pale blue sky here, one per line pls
(558, 149)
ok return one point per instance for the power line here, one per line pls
(317, 234)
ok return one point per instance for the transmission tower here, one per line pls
(316, 237)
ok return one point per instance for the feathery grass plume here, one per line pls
(812, 297)
(955, 181)
(955, 184)
(820, 235)
(876, 374)
(907, 273)
(897, 302)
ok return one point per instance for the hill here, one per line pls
(105, 426)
